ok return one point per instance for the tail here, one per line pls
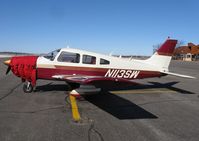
(162, 57)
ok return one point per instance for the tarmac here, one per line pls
(162, 109)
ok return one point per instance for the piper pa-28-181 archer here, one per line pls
(78, 67)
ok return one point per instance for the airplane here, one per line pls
(77, 67)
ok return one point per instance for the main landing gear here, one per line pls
(27, 87)
(72, 89)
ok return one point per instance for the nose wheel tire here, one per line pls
(28, 88)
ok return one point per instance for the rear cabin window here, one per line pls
(87, 59)
(69, 57)
(104, 62)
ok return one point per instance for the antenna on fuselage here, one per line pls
(67, 46)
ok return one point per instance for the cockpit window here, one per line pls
(69, 57)
(52, 54)
(87, 59)
(104, 62)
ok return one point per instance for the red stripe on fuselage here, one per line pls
(47, 73)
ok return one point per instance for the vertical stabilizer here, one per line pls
(162, 57)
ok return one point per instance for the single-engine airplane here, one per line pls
(78, 67)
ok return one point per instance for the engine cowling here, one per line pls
(25, 68)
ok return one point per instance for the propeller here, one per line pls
(7, 62)
(8, 70)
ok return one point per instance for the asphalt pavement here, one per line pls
(162, 109)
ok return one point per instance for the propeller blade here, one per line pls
(8, 70)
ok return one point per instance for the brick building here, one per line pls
(187, 53)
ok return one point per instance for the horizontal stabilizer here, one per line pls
(179, 75)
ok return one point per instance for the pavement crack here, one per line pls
(67, 100)
(95, 131)
(10, 92)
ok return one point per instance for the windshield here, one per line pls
(52, 54)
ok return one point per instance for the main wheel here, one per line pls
(28, 88)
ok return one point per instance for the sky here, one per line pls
(125, 27)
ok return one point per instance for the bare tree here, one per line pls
(156, 47)
(180, 43)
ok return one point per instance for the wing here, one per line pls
(89, 79)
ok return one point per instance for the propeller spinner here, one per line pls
(7, 62)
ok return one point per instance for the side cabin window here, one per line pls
(87, 59)
(104, 62)
(69, 57)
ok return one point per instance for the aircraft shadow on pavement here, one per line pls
(118, 107)
(110, 103)
(124, 109)
(169, 86)
(51, 87)
(151, 85)
(115, 105)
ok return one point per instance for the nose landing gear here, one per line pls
(27, 87)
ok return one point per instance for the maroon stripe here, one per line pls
(47, 73)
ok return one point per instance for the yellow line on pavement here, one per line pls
(75, 112)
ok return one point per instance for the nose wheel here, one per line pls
(27, 87)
